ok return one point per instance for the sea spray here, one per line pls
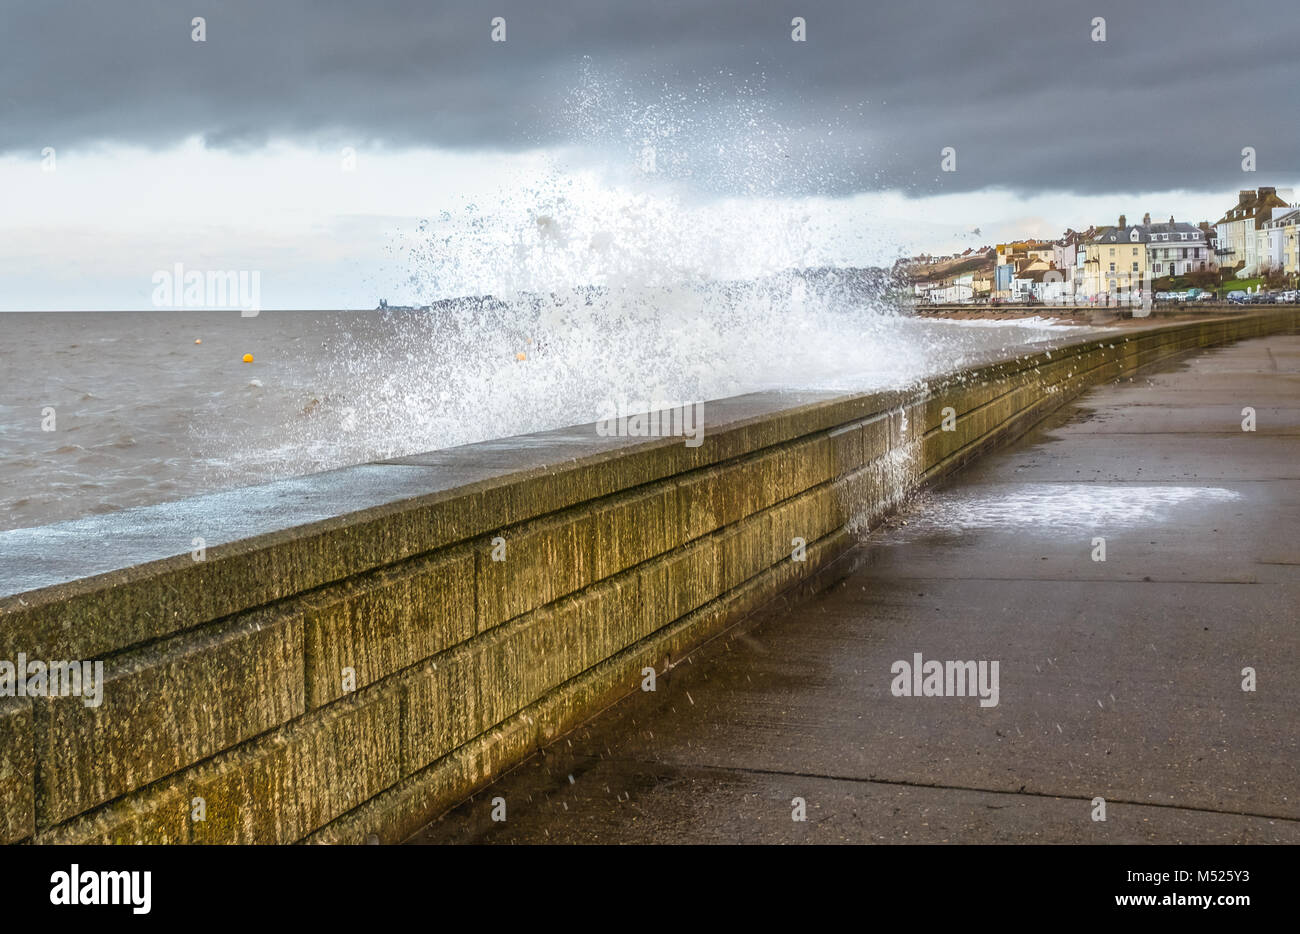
(601, 277)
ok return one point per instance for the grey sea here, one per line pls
(102, 411)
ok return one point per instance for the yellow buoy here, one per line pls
(248, 358)
(521, 356)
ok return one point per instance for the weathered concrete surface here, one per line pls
(1118, 679)
(339, 678)
(17, 768)
(167, 706)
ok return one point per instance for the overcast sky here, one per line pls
(226, 152)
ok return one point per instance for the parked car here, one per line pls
(1237, 297)
(1162, 296)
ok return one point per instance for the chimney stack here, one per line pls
(1122, 220)
(1171, 218)
(1244, 196)
(1146, 219)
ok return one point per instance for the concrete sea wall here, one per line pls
(340, 657)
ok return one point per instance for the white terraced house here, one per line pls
(1278, 242)
(1176, 248)
(1239, 229)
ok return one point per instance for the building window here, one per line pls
(1135, 266)
(1112, 267)
(1158, 267)
(1112, 251)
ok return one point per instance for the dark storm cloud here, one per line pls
(1018, 89)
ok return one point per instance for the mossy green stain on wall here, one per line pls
(463, 664)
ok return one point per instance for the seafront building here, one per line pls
(1279, 248)
(1176, 248)
(1259, 235)
(1020, 265)
(1242, 238)
(1112, 261)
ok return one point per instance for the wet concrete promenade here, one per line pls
(1119, 679)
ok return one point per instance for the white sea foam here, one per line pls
(617, 278)
(603, 281)
(1032, 323)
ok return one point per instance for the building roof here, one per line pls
(1034, 275)
(1072, 237)
(1288, 219)
(1119, 235)
(1024, 246)
(1258, 204)
(1177, 228)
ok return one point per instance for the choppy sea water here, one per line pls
(142, 412)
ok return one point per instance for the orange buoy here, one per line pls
(248, 358)
(197, 341)
(521, 356)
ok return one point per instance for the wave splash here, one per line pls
(606, 282)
